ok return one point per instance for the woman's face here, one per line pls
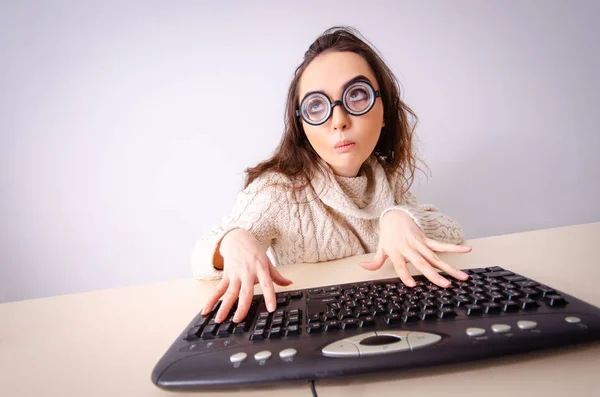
(329, 73)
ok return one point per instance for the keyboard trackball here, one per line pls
(380, 342)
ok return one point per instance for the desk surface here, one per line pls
(105, 343)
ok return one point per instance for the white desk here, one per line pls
(106, 343)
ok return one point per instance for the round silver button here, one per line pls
(501, 328)
(238, 357)
(263, 355)
(524, 324)
(572, 319)
(475, 331)
(287, 353)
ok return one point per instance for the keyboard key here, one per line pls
(428, 314)
(263, 315)
(528, 304)
(477, 299)
(555, 300)
(446, 313)
(292, 330)
(314, 328)
(444, 302)
(296, 295)
(225, 329)
(283, 301)
(314, 317)
(409, 317)
(494, 269)
(239, 328)
(346, 313)
(509, 306)
(293, 319)
(427, 304)
(512, 294)
(497, 274)
(261, 324)
(208, 332)
(329, 316)
(331, 326)
(394, 318)
(192, 333)
(349, 323)
(512, 279)
(491, 307)
(473, 310)
(367, 321)
(531, 293)
(257, 334)
(476, 271)
(475, 290)
(275, 332)
(527, 284)
(545, 290)
(378, 310)
(461, 300)
(394, 308)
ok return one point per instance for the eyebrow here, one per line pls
(360, 77)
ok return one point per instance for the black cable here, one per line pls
(312, 388)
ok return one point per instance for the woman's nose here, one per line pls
(340, 120)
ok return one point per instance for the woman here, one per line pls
(337, 185)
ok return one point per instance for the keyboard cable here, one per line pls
(312, 388)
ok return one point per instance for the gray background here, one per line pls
(126, 126)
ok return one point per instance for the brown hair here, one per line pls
(295, 157)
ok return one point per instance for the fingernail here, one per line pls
(411, 283)
(463, 274)
(271, 307)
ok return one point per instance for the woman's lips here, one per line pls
(344, 146)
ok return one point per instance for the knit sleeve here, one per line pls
(256, 210)
(434, 224)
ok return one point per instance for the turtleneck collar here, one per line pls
(364, 196)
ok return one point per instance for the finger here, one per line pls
(228, 300)
(221, 288)
(245, 299)
(447, 247)
(378, 260)
(266, 284)
(277, 277)
(424, 267)
(435, 261)
(400, 265)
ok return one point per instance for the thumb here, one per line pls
(278, 278)
(377, 261)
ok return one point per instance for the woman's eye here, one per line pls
(315, 106)
(357, 94)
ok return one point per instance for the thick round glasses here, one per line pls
(358, 98)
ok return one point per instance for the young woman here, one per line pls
(337, 185)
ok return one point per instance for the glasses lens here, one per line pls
(316, 108)
(359, 97)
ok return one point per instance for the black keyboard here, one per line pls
(373, 326)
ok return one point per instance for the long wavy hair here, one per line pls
(296, 158)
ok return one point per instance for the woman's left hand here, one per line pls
(402, 241)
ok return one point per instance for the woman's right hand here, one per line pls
(245, 263)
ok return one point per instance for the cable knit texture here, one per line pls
(341, 220)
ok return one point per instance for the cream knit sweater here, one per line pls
(342, 221)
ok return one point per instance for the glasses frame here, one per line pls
(374, 94)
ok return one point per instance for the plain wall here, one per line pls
(126, 126)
